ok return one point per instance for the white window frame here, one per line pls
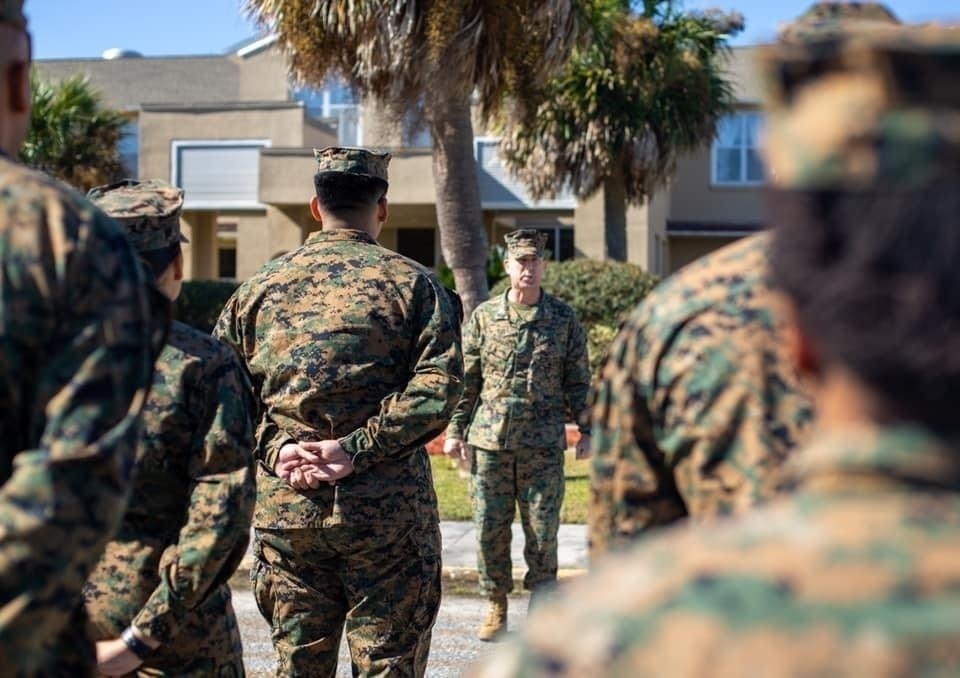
(332, 110)
(743, 148)
(558, 203)
(557, 229)
(131, 129)
(178, 144)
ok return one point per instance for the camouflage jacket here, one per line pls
(188, 522)
(522, 379)
(75, 366)
(697, 405)
(347, 340)
(856, 575)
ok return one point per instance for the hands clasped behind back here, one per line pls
(308, 464)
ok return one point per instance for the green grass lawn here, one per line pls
(454, 499)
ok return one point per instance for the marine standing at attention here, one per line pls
(354, 357)
(525, 374)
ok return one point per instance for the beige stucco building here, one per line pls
(232, 131)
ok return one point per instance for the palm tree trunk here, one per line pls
(615, 215)
(463, 240)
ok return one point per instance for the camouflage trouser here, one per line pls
(500, 480)
(207, 644)
(383, 583)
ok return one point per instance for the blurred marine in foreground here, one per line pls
(77, 343)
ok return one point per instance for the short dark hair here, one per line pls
(339, 192)
(158, 260)
(875, 277)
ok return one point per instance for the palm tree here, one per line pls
(441, 54)
(648, 87)
(72, 135)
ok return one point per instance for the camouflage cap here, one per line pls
(525, 242)
(836, 18)
(11, 13)
(148, 210)
(860, 108)
(357, 161)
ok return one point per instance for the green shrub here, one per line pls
(599, 338)
(601, 292)
(201, 301)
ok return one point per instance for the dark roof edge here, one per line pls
(711, 228)
(168, 57)
(218, 107)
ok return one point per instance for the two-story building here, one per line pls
(237, 136)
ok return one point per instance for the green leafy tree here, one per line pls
(440, 55)
(73, 135)
(649, 86)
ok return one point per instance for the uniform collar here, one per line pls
(341, 235)
(905, 453)
(541, 306)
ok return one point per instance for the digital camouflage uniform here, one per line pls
(188, 521)
(525, 374)
(856, 574)
(697, 406)
(76, 354)
(347, 340)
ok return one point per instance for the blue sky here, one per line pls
(85, 28)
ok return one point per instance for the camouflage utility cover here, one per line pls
(188, 521)
(357, 161)
(347, 340)
(525, 242)
(887, 112)
(76, 356)
(856, 576)
(834, 19)
(523, 377)
(697, 406)
(148, 210)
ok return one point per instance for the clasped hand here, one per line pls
(307, 465)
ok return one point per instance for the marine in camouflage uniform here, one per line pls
(857, 574)
(525, 372)
(76, 355)
(354, 355)
(697, 407)
(187, 526)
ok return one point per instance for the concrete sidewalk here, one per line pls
(460, 551)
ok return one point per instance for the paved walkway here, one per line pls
(460, 549)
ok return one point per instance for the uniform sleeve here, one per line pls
(632, 487)
(417, 413)
(269, 437)
(82, 324)
(576, 375)
(214, 537)
(472, 381)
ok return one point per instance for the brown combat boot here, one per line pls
(496, 621)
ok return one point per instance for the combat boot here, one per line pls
(496, 621)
